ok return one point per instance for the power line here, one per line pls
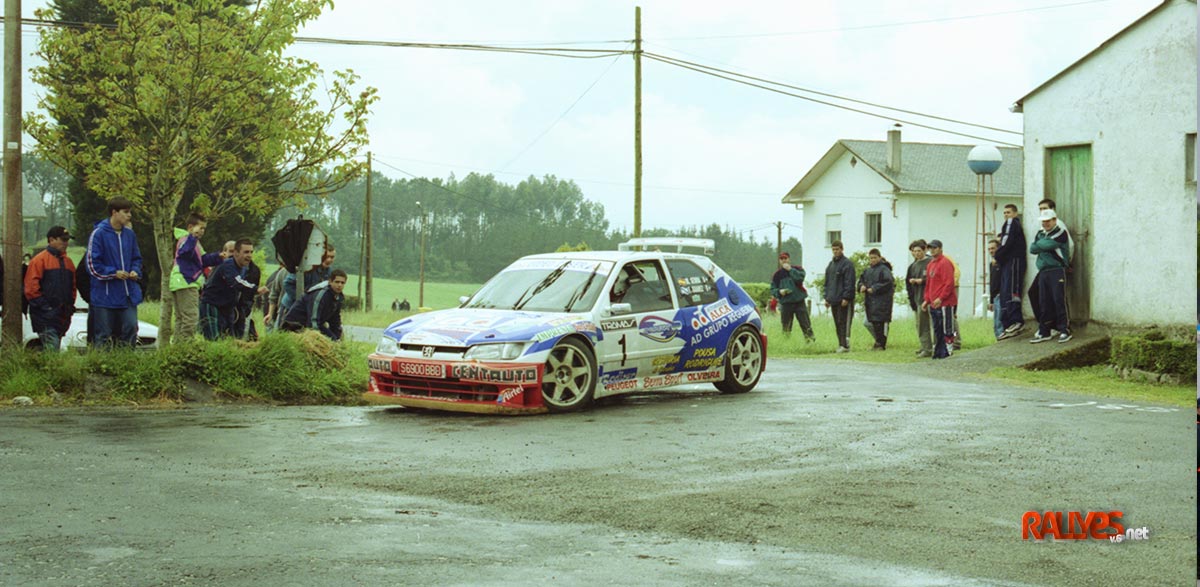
(828, 95)
(770, 89)
(883, 25)
(561, 116)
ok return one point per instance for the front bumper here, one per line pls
(459, 386)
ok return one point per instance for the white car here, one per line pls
(553, 332)
(76, 337)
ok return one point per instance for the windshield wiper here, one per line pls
(578, 295)
(540, 286)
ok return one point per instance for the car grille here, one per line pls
(454, 390)
(420, 348)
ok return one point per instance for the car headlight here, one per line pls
(387, 346)
(504, 351)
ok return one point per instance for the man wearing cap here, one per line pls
(50, 289)
(941, 300)
(839, 294)
(1053, 250)
(787, 286)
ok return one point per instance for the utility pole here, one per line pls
(10, 326)
(367, 235)
(637, 122)
(421, 287)
(778, 237)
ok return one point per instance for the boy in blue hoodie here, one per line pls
(115, 264)
(188, 273)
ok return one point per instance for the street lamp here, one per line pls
(421, 292)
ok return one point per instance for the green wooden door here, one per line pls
(1069, 184)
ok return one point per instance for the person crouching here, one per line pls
(320, 308)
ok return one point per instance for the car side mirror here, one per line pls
(620, 308)
(463, 299)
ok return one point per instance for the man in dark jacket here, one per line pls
(223, 290)
(839, 294)
(50, 289)
(115, 264)
(994, 298)
(1010, 261)
(915, 285)
(243, 326)
(880, 290)
(320, 308)
(1053, 249)
(787, 286)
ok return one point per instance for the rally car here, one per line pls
(554, 332)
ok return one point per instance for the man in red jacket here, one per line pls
(941, 300)
(50, 289)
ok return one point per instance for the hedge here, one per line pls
(1153, 352)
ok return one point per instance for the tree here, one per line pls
(176, 90)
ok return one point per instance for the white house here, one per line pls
(1112, 139)
(886, 194)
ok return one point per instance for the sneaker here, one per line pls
(1064, 337)
(1039, 338)
(810, 339)
(923, 354)
(842, 349)
(1014, 328)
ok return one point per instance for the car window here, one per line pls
(693, 285)
(643, 286)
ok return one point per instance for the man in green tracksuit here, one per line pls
(787, 286)
(1053, 249)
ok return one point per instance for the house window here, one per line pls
(1189, 150)
(874, 228)
(833, 228)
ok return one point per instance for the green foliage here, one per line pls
(759, 292)
(1153, 352)
(861, 262)
(292, 368)
(569, 248)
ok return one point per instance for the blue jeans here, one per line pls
(996, 311)
(51, 341)
(115, 326)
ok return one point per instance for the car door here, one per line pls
(643, 343)
(701, 310)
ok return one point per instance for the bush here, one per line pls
(759, 292)
(1152, 351)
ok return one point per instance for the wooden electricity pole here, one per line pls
(778, 237)
(367, 235)
(10, 326)
(637, 122)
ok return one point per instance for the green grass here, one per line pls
(902, 340)
(1100, 381)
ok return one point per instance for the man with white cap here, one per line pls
(1053, 249)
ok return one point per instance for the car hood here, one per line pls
(465, 327)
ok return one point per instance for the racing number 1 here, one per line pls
(622, 343)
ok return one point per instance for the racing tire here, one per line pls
(569, 380)
(743, 362)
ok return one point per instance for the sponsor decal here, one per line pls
(710, 313)
(621, 385)
(427, 351)
(661, 381)
(707, 328)
(700, 376)
(693, 364)
(617, 376)
(509, 394)
(685, 290)
(665, 363)
(659, 329)
(618, 324)
(1102, 525)
(587, 327)
(554, 332)
(435, 370)
(486, 374)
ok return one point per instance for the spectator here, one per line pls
(787, 286)
(839, 294)
(321, 308)
(941, 300)
(405, 306)
(243, 325)
(115, 264)
(50, 289)
(395, 304)
(1052, 247)
(772, 305)
(916, 295)
(957, 344)
(312, 277)
(880, 289)
(1010, 257)
(274, 293)
(1048, 204)
(187, 275)
(994, 301)
(223, 292)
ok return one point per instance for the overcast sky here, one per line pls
(713, 151)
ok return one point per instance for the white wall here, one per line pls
(1133, 102)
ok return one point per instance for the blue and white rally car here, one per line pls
(553, 332)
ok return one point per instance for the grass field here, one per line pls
(902, 340)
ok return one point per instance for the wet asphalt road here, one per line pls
(830, 473)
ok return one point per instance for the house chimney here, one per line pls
(893, 149)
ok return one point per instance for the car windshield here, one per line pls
(544, 285)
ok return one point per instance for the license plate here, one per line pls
(432, 370)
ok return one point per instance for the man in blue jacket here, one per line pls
(224, 289)
(115, 264)
(320, 308)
